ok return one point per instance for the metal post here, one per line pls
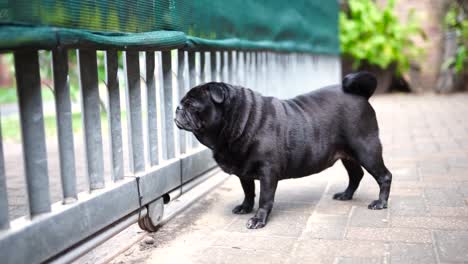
(87, 66)
(255, 71)
(64, 124)
(135, 131)
(152, 109)
(222, 66)
(192, 69)
(4, 219)
(230, 66)
(213, 66)
(237, 71)
(115, 127)
(32, 131)
(202, 67)
(192, 83)
(181, 86)
(244, 68)
(168, 124)
(262, 73)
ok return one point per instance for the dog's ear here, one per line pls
(217, 92)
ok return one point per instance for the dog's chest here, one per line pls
(231, 164)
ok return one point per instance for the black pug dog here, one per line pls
(268, 139)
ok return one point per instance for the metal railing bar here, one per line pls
(238, 68)
(222, 66)
(192, 69)
(32, 131)
(134, 115)
(114, 118)
(4, 219)
(245, 68)
(168, 123)
(64, 124)
(213, 66)
(234, 62)
(152, 124)
(182, 90)
(202, 67)
(87, 66)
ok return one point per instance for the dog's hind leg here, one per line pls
(369, 152)
(355, 174)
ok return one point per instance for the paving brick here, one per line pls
(315, 259)
(300, 190)
(410, 235)
(399, 190)
(294, 206)
(448, 211)
(249, 241)
(356, 260)
(407, 206)
(431, 222)
(340, 248)
(236, 256)
(405, 174)
(426, 169)
(463, 189)
(408, 253)
(333, 207)
(363, 217)
(443, 197)
(322, 226)
(452, 246)
(458, 161)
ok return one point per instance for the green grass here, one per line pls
(8, 95)
(11, 130)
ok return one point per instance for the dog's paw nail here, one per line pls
(377, 205)
(342, 196)
(255, 223)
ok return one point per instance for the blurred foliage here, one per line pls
(8, 94)
(11, 127)
(376, 36)
(456, 20)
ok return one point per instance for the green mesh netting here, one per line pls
(306, 26)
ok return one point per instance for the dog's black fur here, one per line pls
(264, 138)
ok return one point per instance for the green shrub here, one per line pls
(377, 36)
(455, 20)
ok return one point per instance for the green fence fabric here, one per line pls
(52, 37)
(303, 26)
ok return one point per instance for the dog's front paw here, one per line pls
(377, 205)
(255, 223)
(242, 209)
(342, 196)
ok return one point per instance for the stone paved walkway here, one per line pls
(425, 142)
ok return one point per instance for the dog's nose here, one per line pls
(179, 108)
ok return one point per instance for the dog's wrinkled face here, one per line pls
(200, 110)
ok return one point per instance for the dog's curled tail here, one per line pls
(360, 83)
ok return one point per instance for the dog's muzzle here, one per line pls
(180, 120)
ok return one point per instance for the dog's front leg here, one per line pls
(268, 185)
(248, 185)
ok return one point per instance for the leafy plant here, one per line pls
(377, 37)
(455, 20)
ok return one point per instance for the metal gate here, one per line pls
(160, 158)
